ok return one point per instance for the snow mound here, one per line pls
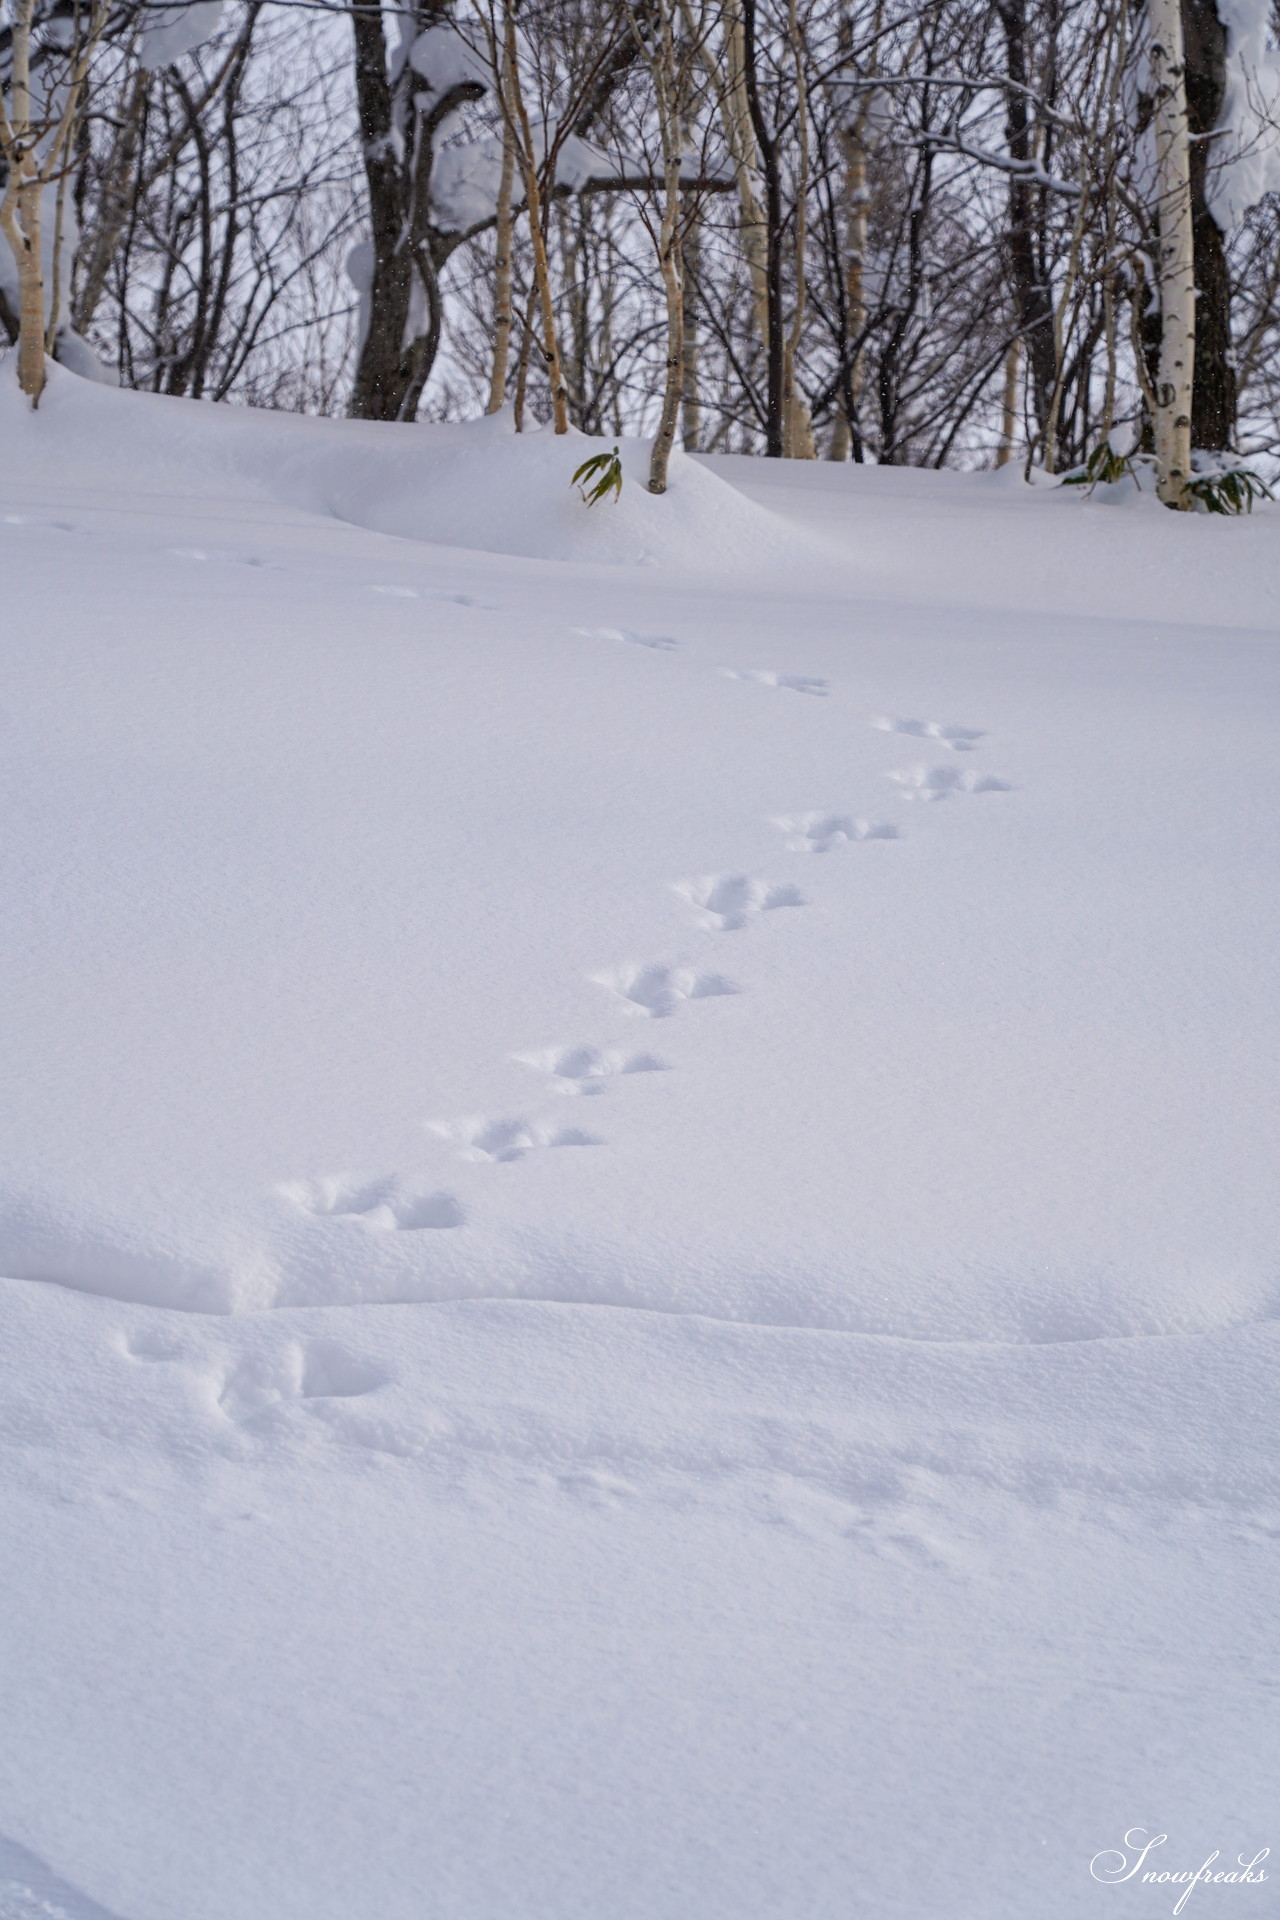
(479, 484)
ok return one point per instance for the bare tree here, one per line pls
(1177, 271)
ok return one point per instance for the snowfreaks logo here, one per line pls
(1114, 1867)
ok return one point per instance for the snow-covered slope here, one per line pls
(477, 485)
(669, 1114)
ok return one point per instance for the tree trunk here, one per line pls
(797, 422)
(1176, 259)
(691, 400)
(853, 138)
(1009, 411)
(379, 384)
(742, 148)
(30, 291)
(775, 411)
(669, 256)
(1213, 391)
(667, 93)
(541, 268)
(116, 200)
(502, 267)
(1033, 296)
(20, 207)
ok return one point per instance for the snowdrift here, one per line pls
(477, 485)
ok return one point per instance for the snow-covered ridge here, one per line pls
(475, 485)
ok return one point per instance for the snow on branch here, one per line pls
(1025, 169)
(1247, 144)
(465, 179)
(170, 32)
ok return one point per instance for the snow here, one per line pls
(465, 176)
(170, 32)
(562, 1355)
(445, 58)
(1246, 158)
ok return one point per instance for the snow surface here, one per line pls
(169, 32)
(465, 176)
(1246, 156)
(606, 1314)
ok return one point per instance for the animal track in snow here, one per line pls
(959, 739)
(35, 520)
(819, 832)
(727, 901)
(660, 642)
(427, 593)
(939, 783)
(586, 1069)
(236, 559)
(318, 1371)
(480, 1138)
(658, 990)
(792, 682)
(381, 1204)
(150, 1346)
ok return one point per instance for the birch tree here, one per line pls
(1177, 286)
(38, 124)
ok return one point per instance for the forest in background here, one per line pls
(918, 232)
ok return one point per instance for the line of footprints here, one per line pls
(720, 903)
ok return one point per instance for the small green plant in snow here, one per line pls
(1102, 469)
(1228, 490)
(598, 476)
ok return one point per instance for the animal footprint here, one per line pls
(819, 832)
(959, 739)
(658, 991)
(726, 901)
(660, 642)
(584, 1069)
(938, 783)
(237, 559)
(381, 1204)
(795, 682)
(320, 1371)
(483, 1139)
(415, 593)
(150, 1346)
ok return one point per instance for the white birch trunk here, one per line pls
(20, 208)
(797, 422)
(1009, 409)
(666, 77)
(741, 142)
(502, 264)
(1177, 276)
(528, 159)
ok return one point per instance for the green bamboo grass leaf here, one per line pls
(600, 475)
(1232, 490)
(1103, 468)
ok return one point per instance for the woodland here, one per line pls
(911, 232)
